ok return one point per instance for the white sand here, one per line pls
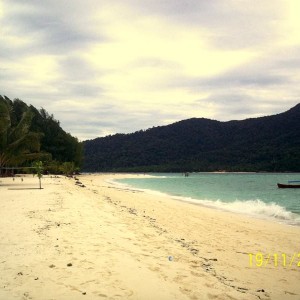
(119, 240)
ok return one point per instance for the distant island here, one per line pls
(270, 144)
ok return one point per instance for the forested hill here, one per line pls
(269, 143)
(28, 134)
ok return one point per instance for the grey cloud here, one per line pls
(59, 27)
(76, 68)
(231, 24)
(81, 90)
(51, 27)
(176, 8)
(238, 106)
(101, 119)
(276, 70)
(227, 80)
(77, 76)
(89, 121)
(244, 79)
(288, 58)
(7, 75)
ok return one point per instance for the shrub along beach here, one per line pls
(99, 240)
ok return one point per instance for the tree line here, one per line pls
(28, 134)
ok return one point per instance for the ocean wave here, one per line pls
(254, 208)
(262, 209)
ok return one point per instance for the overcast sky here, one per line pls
(103, 67)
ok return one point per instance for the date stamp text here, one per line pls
(274, 259)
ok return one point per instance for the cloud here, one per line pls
(49, 26)
(102, 119)
(229, 24)
(103, 67)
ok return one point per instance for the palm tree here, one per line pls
(68, 168)
(38, 166)
(17, 143)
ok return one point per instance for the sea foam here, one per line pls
(254, 208)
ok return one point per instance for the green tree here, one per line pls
(62, 145)
(28, 134)
(38, 167)
(17, 143)
(68, 168)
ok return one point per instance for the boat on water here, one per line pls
(291, 185)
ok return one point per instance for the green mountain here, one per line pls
(28, 134)
(270, 143)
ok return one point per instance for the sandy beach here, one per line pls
(104, 241)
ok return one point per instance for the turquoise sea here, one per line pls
(254, 194)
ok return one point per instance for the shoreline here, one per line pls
(212, 204)
(192, 172)
(101, 241)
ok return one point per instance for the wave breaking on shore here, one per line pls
(254, 208)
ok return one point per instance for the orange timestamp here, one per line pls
(274, 259)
